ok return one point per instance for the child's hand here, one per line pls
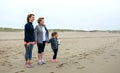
(47, 43)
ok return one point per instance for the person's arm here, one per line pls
(47, 34)
(26, 33)
(36, 33)
(49, 41)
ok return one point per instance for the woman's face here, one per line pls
(42, 22)
(32, 18)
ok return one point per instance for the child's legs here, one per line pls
(55, 53)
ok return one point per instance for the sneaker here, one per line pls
(28, 66)
(40, 63)
(31, 65)
(43, 62)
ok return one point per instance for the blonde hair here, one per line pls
(40, 19)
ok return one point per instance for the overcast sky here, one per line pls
(63, 14)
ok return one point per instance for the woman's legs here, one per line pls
(28, 54)
(40, 51)
(40, 56)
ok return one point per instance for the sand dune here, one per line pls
(79, 52)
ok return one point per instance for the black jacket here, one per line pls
(29, 35)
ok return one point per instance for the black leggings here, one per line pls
(55, 53)
(41, 47)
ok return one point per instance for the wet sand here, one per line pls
(79, 52)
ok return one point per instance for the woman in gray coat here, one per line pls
(41, 37)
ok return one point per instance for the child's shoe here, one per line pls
(56, 60)
(53, 60)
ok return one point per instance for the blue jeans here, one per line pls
(28, 54)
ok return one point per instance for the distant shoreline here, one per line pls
(59, 30)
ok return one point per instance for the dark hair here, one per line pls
(40, 19)
(29, 16)
(54, 33)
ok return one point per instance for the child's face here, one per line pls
(56, 36)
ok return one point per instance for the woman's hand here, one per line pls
(35, 42)
(28, 44)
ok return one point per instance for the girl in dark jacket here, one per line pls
(55, 42)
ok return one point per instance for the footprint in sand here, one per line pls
(106, 61)
(76, 62)
(7, 56)
(106, 58)
(73, 56)
(3, 64)
(20, 71)
(82, 67)
(66, 52)
(61, 65)
(10, 65)
(80, 58)
(112, 55)
(67, 49)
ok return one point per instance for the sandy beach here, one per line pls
(79, 52)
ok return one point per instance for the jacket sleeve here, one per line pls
(47, 36)
(26, 33)
(36, 33)
(49, 41)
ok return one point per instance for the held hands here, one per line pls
(47, 42)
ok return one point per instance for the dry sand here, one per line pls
(79, 52)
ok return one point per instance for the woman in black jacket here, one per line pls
(29, 39)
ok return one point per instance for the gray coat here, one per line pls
(39, 34)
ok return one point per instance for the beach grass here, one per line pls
(10, 30)
(59, 30)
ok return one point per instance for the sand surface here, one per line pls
(79, 52)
